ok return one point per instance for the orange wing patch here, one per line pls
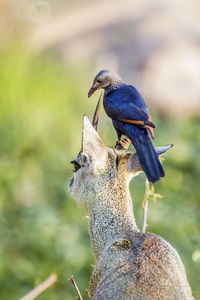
(132, 122)
(149, 128)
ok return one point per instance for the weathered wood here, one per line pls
(129, 264)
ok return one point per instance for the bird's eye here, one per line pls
(99, 80)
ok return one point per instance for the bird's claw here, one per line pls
(123, 144)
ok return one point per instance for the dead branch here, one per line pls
(96, 113)
(40, 288)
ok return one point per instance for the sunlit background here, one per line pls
(49, 54)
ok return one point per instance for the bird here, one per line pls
(130, 117)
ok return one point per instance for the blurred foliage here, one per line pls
(42, 229)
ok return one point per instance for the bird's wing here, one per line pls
(127, 105)
(130, 111)
(135, 115)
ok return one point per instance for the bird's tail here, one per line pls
(147, 155)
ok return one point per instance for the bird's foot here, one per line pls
(118, 142)
(122, 144)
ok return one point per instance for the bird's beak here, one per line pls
(92, 90)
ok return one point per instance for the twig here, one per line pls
(87, 292)
(76, 287)
(96, 113)
(146, 202)
(40, 288)
(145, 205)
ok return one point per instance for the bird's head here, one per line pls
(103, 79)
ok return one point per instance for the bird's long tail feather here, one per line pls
(147, 155)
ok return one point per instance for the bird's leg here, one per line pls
(118, 141)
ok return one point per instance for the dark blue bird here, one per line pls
(130, 117)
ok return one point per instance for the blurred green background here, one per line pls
(42, 230)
